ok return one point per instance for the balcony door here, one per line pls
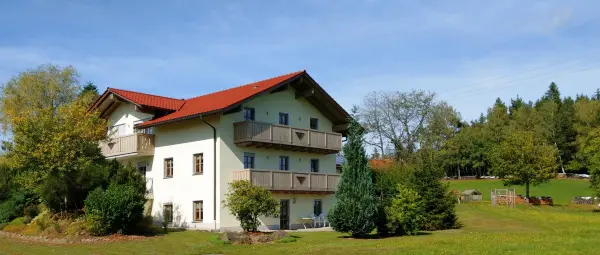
(284, 214)
(117, 130)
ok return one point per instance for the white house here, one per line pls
(281, 133)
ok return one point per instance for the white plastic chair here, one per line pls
(324, 220)
(315, 219)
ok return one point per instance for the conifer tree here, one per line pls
(356, 207)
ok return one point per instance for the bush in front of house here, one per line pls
(247, 202)
(118, 209)
(404, 213)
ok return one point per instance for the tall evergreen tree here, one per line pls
(356, 207)
(552, 94)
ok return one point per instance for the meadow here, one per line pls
(557, 229)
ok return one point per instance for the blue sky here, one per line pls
(469, 52)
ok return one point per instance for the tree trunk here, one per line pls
(527, 189)
(562, 167)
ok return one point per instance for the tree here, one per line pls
(397, 120)
(56, 141)
(356, 207)
(248, 202)
(521, 159)
(43, 89)
(589, 146)
(90, 90)
(438, 210)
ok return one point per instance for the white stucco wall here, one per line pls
(267, 109)
(126, 114)
(180, 141)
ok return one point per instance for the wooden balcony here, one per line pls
(290, 182)
(266, 135)
(135, 144)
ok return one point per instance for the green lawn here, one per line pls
(487, 230)
(561, 190)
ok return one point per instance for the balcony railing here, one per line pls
(286, 181)
(138, 144)
(251, 133)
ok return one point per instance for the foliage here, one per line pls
(117, 209)
(356, 206)
(522, 159)
(396, 120)
(247, 202)
(404, 212)
(437, 202)
(15, 205)
(56, 142)
(386, 181)
(36, 92)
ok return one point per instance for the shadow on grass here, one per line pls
(376, 236)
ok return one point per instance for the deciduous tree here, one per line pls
(521, 159)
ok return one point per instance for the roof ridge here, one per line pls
(248, 84)
(147, 94)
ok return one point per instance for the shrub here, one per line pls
(438, 204)
(386, 181)
(117, 209)
(31, 211)
(67, 191)
(2, 225)
(13, 207)
(404, 213)
(16, 225)
(27, 219)
(247, 202)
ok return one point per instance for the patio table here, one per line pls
(306, 220)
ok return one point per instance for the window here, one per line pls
(284, 119)
(248, 160)
(198, 211)
(198, 163)
(314, 165)
(284, 163)
(141, 166)
(168, 213)
(117, 130)
(314, 123)
(168, 167)
(149, 130)
(248, 113)
(318, 207)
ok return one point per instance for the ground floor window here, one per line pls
(168, 213)
(198, 211)
(318, 207)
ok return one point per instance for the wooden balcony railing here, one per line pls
(286, 181)
(139, 144)
(251, 133)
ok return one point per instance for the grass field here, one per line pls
(486, 230)
(561, 190)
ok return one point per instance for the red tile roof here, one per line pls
(220, 100)
(144, 99)
(182, 108)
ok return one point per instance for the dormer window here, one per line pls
(248, 113)
(284, 119)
